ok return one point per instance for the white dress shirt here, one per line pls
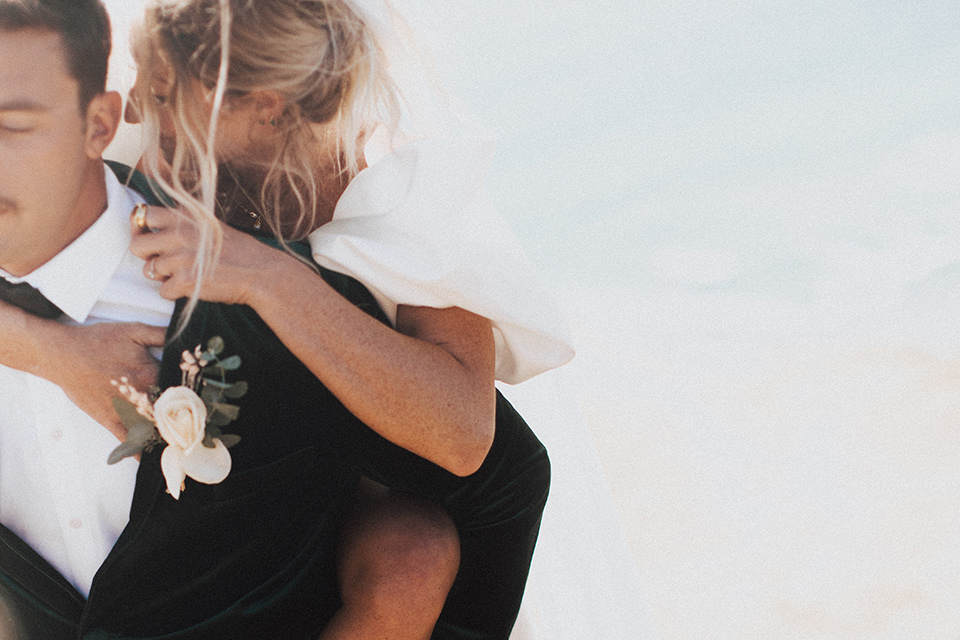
(56, 490)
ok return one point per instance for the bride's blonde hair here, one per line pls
(318, 55)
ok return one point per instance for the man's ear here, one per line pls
(103, 117)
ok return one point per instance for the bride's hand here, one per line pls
(83, 360)
(169, 243)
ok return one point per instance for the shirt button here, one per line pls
(56, 434)
(76, 523)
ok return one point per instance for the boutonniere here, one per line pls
(188, 418)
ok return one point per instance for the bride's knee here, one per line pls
(398, 554)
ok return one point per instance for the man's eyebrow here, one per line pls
(21, 105)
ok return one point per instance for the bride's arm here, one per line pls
(81, 360)
(427, 387)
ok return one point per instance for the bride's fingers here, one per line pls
(174, 288)
(162, 267)
(150, 270)
(138, 219)
(148, 219)
(165, 242)
(174, 273)
(147, 245)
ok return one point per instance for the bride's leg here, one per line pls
(398, 559)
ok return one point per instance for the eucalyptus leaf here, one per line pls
(218, 419)
(229, 439)
(216, 345)
(123, 450)
(127, 411)
(139, 437)
(142, 433)
(237, 390)
(230, 364)
(216, 383)
(229, 410)
(211, 395)
(208, 441)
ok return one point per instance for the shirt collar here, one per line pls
(76, 277)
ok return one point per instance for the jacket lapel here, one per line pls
(31, 588)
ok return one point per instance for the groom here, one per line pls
(64, 231)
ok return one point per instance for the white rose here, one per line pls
(181, 418)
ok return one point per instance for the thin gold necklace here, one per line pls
(228, 203)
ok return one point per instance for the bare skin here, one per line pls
(427, 387)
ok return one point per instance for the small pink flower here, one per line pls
(137, 398)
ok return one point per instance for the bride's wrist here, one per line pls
(276, 273)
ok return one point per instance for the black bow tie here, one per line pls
(28, 298)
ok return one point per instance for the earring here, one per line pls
(273, 122)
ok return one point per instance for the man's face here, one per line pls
(43, 150)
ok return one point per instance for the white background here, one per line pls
(751, 212)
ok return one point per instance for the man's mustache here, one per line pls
(8, 206)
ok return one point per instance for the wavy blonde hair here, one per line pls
(318, 55)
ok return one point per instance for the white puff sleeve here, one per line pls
(416, 228)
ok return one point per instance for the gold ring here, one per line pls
(151, 273)
(139, 216)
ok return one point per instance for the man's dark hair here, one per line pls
(84, 28)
